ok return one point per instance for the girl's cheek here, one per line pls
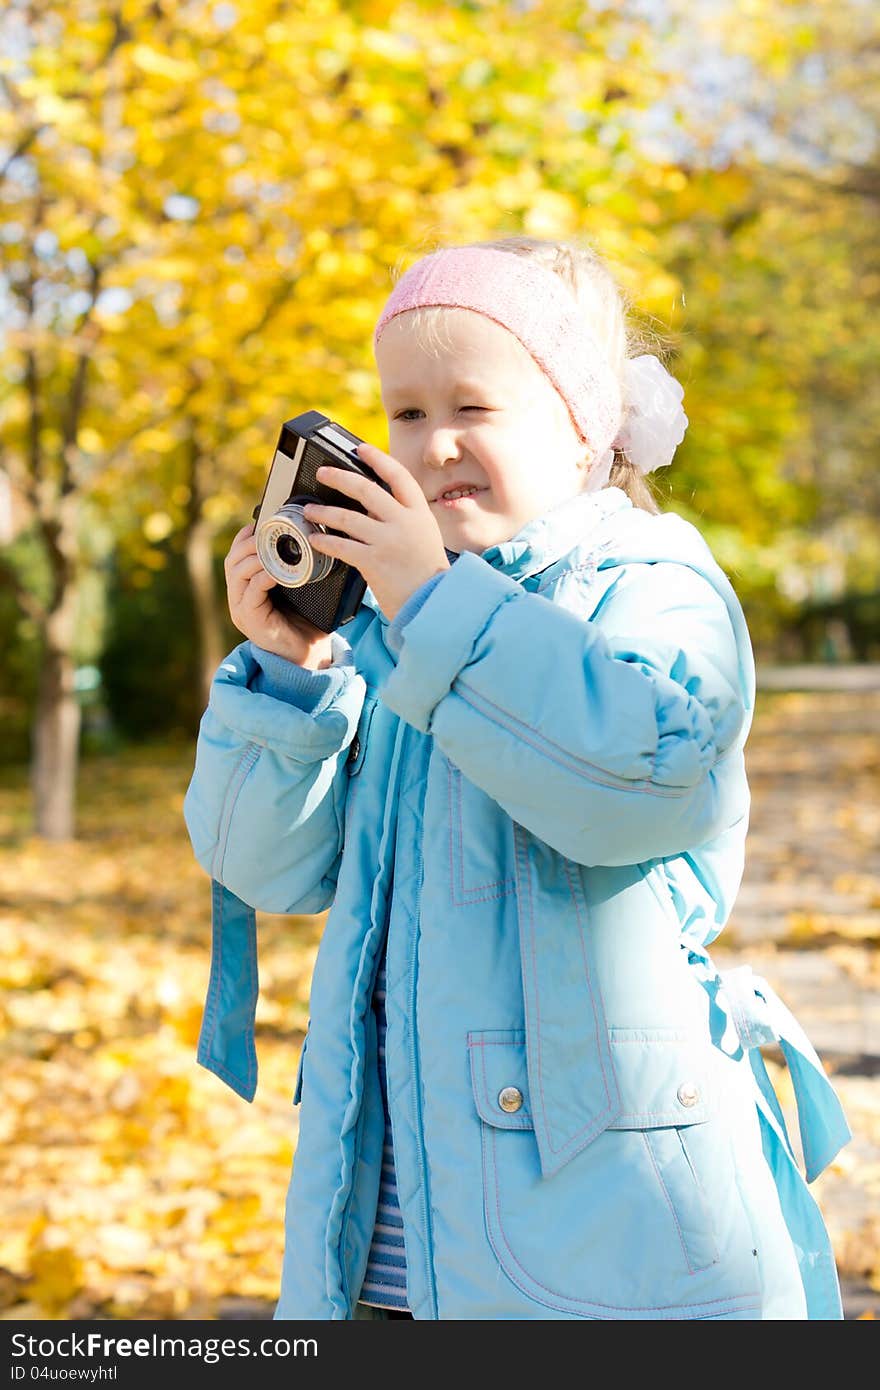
(402, 449)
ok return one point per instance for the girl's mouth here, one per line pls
(457, 496)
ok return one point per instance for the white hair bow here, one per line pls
(654, 422)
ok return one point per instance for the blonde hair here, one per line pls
(608, 310)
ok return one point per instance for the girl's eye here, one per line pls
(412, 413)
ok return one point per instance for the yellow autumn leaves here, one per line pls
(134, 1183)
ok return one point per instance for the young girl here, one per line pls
(516, 778)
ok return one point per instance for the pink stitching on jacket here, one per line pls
(581, 929)
(596, 1119)
(481, 892)
(522, 1121)
(571, 760)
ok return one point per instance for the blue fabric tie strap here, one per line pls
(760, 1018)
(226, 1040)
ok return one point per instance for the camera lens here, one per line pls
(289, 549)
(284, 549)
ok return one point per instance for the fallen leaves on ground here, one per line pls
(134, 1183)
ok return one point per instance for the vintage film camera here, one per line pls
(325, 591)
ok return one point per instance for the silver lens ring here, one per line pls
(284, 550)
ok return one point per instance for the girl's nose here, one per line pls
(441, 447)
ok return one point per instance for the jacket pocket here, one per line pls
(645, 1221)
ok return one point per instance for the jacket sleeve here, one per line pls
(264, 807)
(616, 739)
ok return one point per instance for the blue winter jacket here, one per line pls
(533, 782)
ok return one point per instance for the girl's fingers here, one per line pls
(260, 578)
(244, 567)
(243, 544)
(378, 502)
(354, 524)
(341, 548)
(403, 485)
(370, 495)
(255, 591)
(242, 573)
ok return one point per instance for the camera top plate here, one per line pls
(337, 445)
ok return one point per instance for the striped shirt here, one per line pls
(385, 1280)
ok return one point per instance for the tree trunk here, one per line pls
(55, 753)
(53, 488)
(200, 567)
(206, 601)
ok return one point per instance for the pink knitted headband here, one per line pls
(535, 306)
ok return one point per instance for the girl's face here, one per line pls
(479, 426)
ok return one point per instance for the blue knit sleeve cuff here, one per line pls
(394, 633)
(312, 691)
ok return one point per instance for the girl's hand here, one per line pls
(254, 614)
(397, 546)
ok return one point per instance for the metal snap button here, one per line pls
(354, 749)
(510, 1099)
(688, 1094)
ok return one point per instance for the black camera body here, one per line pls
(325, 591)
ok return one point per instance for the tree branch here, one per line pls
(20, 479)
(77, 393)
(28, 602)
(21, 148)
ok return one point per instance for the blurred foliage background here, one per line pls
(202, 206)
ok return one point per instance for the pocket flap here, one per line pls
(499, 1071)
(664, 1078)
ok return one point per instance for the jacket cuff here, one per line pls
(312, 691)
(394, 631)
(439, 640)
(306, 735)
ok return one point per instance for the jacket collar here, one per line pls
(544, 540)
(547, 538)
